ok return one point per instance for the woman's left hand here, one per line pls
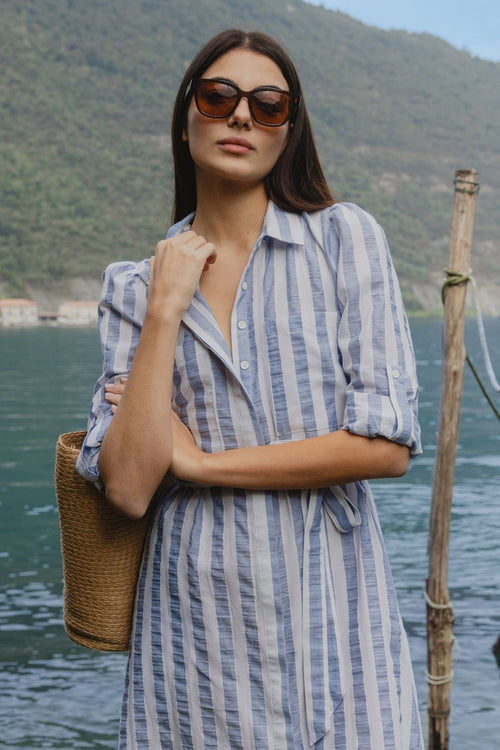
(186, 456)
(114, 392)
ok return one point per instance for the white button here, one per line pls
(395, 372)
(244, 285)
(244, 365)
(242, 325)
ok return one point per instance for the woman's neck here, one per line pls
(230, 215)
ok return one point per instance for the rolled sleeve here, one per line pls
(122, 307)
(373, 333)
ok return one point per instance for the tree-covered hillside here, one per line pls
(86, 95)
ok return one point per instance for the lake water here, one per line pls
(55, 694)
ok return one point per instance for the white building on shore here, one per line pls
(77, 313)
(16, 312)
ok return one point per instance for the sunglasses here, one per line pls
(268, 105)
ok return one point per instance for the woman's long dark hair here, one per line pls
(296, 182)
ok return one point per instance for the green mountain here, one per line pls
(86, 95)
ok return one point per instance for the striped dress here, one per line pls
(269, 620)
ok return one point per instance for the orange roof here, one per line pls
(17, 302)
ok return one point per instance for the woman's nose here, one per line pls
(241, 114)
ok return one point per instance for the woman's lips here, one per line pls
(236, 145)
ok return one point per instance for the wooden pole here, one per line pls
(439, 610)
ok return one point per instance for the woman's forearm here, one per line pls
(336, 458)
(137, 448)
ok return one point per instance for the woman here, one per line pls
(269, 368)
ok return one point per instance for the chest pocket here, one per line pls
(306, 379)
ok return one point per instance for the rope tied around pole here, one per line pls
(434, 605)
(431, 678)
(454, 278)
(474, 185)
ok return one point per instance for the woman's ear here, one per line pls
(184, 135)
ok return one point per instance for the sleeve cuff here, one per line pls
(392, 415)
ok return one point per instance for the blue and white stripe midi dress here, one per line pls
(269, 620)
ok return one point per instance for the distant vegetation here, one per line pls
(86, 95)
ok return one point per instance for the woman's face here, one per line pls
(237, 148)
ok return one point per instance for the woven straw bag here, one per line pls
(101, 551)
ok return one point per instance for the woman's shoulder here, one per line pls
(127, 272)
(345, 212)
(344, 225)
(125, 284)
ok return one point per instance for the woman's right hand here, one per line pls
(179, 263)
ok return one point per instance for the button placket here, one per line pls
(242, 330)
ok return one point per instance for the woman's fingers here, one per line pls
(179, 263)
(187, 246)
(211, 259)
(114, 392)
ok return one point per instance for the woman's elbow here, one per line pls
(123, 494)
(398, 460)
(128, 491)
(133, 505)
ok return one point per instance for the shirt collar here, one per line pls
(181, 226)
(284, 226)
(279, 225)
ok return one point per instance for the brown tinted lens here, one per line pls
(216, 99)
(270, 107)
